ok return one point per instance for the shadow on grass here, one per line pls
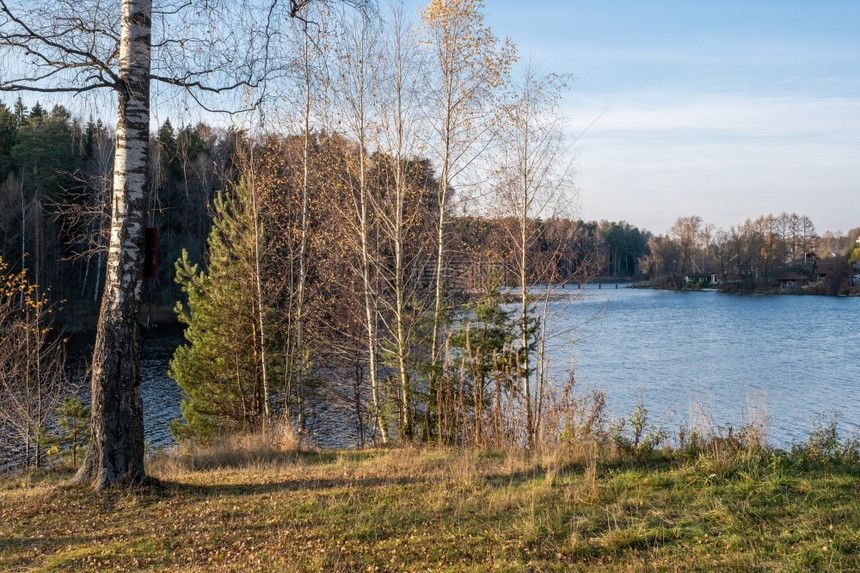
(175, 488)
(246, 458)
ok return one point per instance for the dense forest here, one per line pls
(56, 172)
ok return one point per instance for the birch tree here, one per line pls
(399, 102)
(293, 167)
(358, 76)
(469, 67)
(532, 182)
(308, 52)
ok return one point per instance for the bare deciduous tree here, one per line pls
(532, 182)
(399, 101)
(469, 67)
(359, 73)
(686, 232)
(32, 364)
(84, 213)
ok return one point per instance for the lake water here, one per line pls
(709, 355)
(699, 356)
(161, 395)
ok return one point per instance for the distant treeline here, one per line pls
(770, 252)
(56, 174)
(55, 181)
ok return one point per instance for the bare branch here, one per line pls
(56, 44)
(73, 90)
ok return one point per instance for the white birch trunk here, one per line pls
(116, 443)
(261, 315)
(303, 240)
(400, 189)
(359, 72)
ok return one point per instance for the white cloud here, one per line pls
(725, 158)
(679, 115)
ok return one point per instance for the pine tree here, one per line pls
(220, 369)
(73, 419)
(8, 135)
(481, 348)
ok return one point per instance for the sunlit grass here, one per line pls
(445, 510)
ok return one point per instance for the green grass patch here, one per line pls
(444, 510)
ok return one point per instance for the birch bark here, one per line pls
(116, 444)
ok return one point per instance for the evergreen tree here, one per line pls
(220, 369)
(20, 112)
(166, 144)
(73, 419)
(483, 336)
(8, 134)
(37, 112)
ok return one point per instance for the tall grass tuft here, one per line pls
(272, 446)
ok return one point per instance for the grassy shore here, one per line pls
(445, 510)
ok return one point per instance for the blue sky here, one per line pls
(726, 109)
(723, 109)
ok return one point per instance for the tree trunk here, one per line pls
(438, 308)
(363, 205)
(370, 300)
(116, 445)
(303, 242)
(260, 310)
(524, 326)
(23, 230)
(406, 428)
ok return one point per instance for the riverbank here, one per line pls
(447, 510)
(811, 290)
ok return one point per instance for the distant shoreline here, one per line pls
(771, 291)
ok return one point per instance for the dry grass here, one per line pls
(426, 509)
(273, 446)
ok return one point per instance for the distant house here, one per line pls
(792, 280)
(701, 277)
(825, 267)
(806, 259)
